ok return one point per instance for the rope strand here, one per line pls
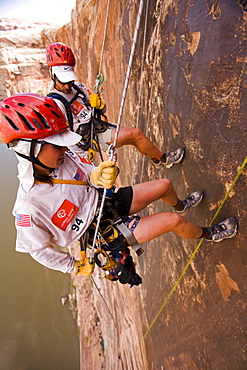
(197, 248)
(104, 37)
(112, 151)
(139, 15)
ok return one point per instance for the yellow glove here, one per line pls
(105, 174)
(84, 267)
(96, 101)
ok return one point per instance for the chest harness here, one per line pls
(88, 131)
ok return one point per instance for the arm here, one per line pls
(54, 259)
(62, 261)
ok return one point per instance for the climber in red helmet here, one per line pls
(78, 104)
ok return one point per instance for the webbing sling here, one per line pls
(127, 234)
(70, 182)
(60, 181)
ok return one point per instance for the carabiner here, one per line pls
(112, 153)
(99, 80)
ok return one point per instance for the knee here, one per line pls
(137, 134)
(166, 185)
(177, 222)
(167, 182)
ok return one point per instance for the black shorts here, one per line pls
(123, 200)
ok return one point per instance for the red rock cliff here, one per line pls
(187, 87)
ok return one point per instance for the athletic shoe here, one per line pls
(191, 201)
(174, 157)
(224, 230)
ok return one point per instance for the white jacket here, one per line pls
(57, 214)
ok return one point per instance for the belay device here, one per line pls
(118, 265)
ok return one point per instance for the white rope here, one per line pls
(112, 148)
(100, 77)
(104, 37)
(141, 81)
(129, 69)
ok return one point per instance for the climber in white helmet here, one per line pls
(84, 110)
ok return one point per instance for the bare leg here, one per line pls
(135, 136)
(148, 192)
(152, 226)
(158, 224)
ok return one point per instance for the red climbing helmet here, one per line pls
(30, 116)
(58, 54)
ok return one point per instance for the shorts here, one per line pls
(123, 200)
(104, 138)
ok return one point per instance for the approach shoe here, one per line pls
(174, 157)
(191, 201)
(224, 230)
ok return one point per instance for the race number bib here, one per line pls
(64, 214)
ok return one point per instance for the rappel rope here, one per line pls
(111, 151)
(138, 21)
(103, 300)
(142, 64)
(100, 77)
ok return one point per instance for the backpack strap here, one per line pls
(79, 92)
(66, 104)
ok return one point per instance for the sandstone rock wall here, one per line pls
(187, 87)
(22, 58)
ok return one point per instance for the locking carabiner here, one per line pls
(99, 80)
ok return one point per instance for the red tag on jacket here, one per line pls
(76, 107)
(64, 214)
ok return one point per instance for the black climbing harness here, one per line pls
(88, 131)
(111, 251)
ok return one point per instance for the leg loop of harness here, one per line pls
(128, 233)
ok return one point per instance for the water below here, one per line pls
(36, 331)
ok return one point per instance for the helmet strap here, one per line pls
(31, 158)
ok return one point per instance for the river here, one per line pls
(36, 331)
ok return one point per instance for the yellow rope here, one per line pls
(197, 248)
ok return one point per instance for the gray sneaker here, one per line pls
(224, 230)
(191, 201)
(174, 157)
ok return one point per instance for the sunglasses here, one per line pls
(64, 83)
(54, 145)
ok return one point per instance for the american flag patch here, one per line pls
(79, 175)
(23, 220)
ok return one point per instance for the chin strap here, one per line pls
(32, 157)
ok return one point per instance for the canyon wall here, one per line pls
(187, 88)
(22, 62)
